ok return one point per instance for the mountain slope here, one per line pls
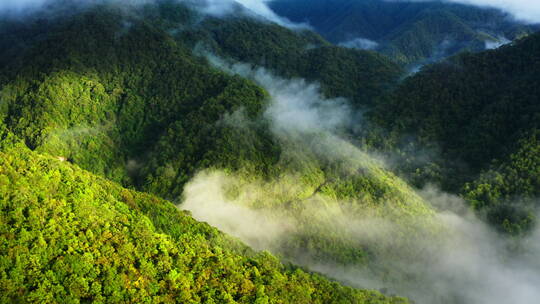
(125, 104)
(70, 236)
(102, 108)
(137, 97)
(355, 74)
(131, 102)
(477, 109)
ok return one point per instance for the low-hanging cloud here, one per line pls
(219, 8)
(466, 262)
(493, 44)
(297, 105)
(525, 10)
(360, 43)
(24, 8)
(257, 7)
(207, 201)
(19, 6)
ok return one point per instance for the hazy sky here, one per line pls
(17, 5)
(526, 10)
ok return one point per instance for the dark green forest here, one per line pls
(114, 120)
(481, 113)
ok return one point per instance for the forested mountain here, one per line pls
(69, 236)
(131, 103)
(124, 104)
(483, 112)
(123, 128)
(407, 31)
(356, 74)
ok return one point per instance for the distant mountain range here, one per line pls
(408, 32)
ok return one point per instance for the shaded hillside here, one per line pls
(104, 101)
(133, 104)
(408, 32)
(355, 74)
(477, 109)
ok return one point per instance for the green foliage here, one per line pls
(108, 109)
(148, 114)
(509, 191)
(133, 105)
(323, 193)
(355, 74)
(474, 107)
(68, 236)
(475, 113)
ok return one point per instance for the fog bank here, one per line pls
(446, 255)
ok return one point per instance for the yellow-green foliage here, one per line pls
(110, 99)
(320, 196)
(509, 190)
(68, 236)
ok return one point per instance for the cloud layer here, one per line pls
(360, 43)
(17, 6)
(254, 8)
(523, 10)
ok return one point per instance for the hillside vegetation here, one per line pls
(69, 236)
(132, 104)
(114, 119)
(481, 112)
(356, 74)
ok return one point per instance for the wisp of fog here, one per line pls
(464, 262)
(218, 8)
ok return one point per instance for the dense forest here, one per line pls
(70, 236)
(481, 112)
(123, 129)
(132, 104)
